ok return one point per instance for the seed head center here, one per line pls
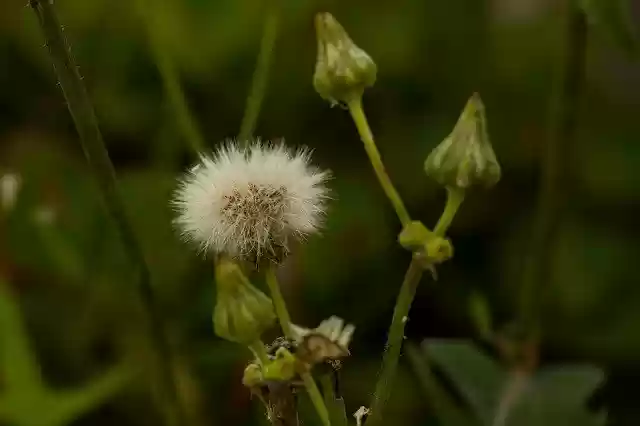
(261, 206)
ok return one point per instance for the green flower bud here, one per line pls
(242, 312)
(343, 70)
(465, 158)
(252, 376)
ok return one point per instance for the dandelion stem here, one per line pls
(455, 197)
(394, 342)
(285, 323)
(97, 156)
(360, 120)
(261, 72)
(316, 398)
(260, 351)
(278, 302)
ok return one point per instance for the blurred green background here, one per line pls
(75, 288)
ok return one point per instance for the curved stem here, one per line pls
(175, 94)
(285, 322)
(278, 302)
(86, 124)
(259, 351)
(394, 341)
(360, 120)
(316, 398)
(171, 83)
(261, 72)
(455, 197)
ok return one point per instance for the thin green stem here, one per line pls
(360, 120)
(261, 72)
(171, 82)
(455, 197)
(97, 156)
(285, 322)
(394, 342)
(334, 403)
(278, 302)
(316, 398)
(555, 166)
(259, 351)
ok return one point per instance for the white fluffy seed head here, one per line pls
(249, 202)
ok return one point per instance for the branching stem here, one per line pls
(360, 120)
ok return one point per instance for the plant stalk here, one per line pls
(97, 156)
(278, 302)
(260, 352)
(261, 72)
(394, 342)
(360, 120)
(171, 81)
(455, 197)
(285, 322)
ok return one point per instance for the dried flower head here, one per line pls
(249, 202)
(329, 341)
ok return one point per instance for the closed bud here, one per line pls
(242, 312)
(465, 158)
(343, 70)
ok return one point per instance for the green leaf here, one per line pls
(25, 399)
(70, 404)
(443, 405)
(553, 396)
(613, 18)
(478, 377)
(557, 397)
(19, 368)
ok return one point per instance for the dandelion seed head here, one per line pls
(250, 202)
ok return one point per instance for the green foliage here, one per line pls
(334, 402)
(25, 400)
(613, 19)
(555, 395)
(480, 314)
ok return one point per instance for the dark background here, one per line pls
(65, 264)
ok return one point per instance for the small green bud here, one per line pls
(252, 376)
(242, 312)
(343, 70)
(465, 158)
